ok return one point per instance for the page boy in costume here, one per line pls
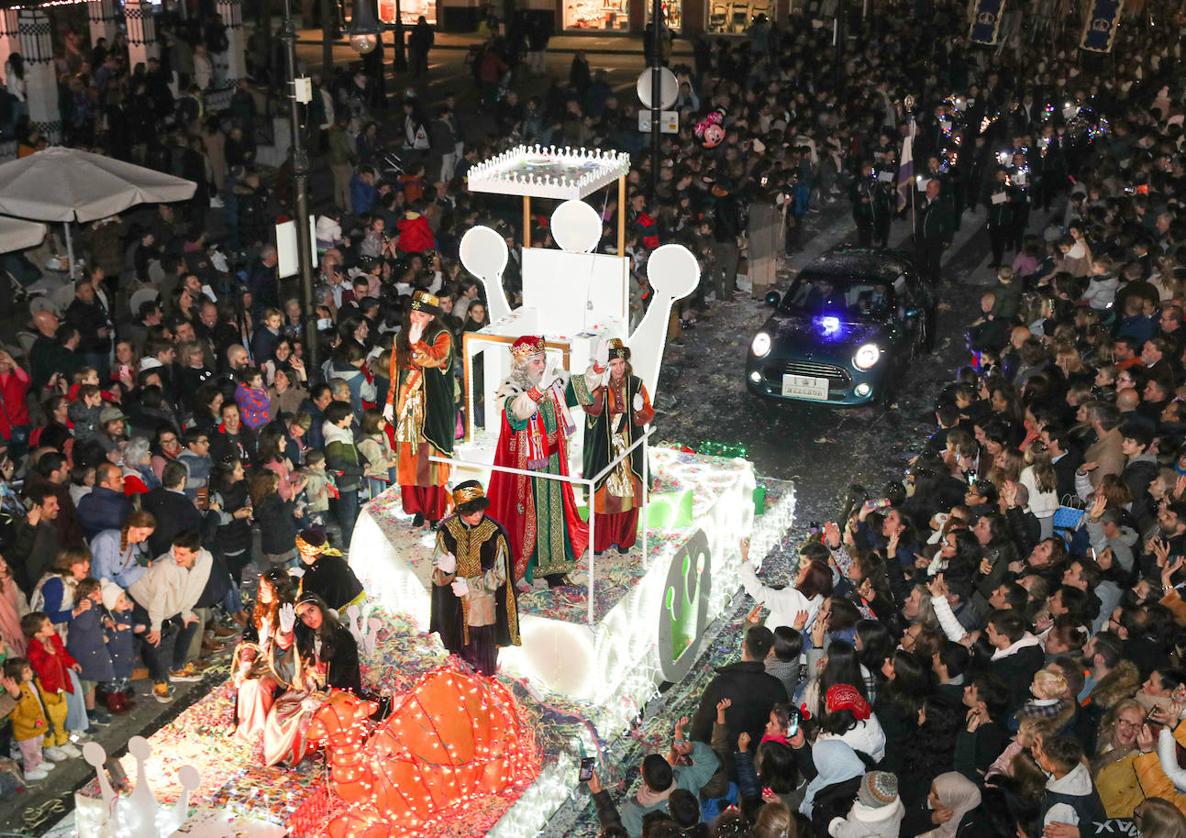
(473, 596)
(327, 573)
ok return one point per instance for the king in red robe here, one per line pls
(545, 531)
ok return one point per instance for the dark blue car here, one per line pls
(844, 331)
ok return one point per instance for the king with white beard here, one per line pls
(546, 532)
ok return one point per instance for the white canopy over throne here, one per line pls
(572, 296)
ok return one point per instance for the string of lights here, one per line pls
(453, 740)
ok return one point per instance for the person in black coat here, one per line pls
(753, 693)
(336, 661)
(327, 572)
(221, 590)
(232, 440)
(87, 315)
(935, 230)
(1015, 654)
(173, 510)
(274, 517)
(420, 41)
(984, 736)
(231, 505)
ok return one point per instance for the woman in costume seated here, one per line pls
(326, 658)
(262, 664)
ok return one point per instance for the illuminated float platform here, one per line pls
(650, 609)
(602, 646)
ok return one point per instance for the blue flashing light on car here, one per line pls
(844, 330)
(829, 326)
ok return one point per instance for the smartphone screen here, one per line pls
(793, 727)
(586, 772)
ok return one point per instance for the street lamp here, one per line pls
(364, 27)
(301, 91)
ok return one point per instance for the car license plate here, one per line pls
(805, 387)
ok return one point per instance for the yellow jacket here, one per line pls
(29, 719)
(1119, 787)
(1154, 781)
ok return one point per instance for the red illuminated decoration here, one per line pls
(454, 739)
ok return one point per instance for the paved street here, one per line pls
(620, 56)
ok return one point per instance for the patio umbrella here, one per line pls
(66, 184)
(16, 234)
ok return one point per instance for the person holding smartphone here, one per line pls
(607, 811)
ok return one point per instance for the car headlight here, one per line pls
(761, 345)
(867, 355)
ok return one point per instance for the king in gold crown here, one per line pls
(527, 346)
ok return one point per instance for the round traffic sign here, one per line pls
(668, 88)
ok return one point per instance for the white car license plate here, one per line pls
(805, 387)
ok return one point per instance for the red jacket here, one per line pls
(13, 411)
(415, 236)
(51, 666)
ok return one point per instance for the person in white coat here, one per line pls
(165, 598)
(203, 67)
(812, 585)
(1039, 479)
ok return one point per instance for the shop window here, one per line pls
(606, 15)
(410, 11)
(733, 17)
(673, 13)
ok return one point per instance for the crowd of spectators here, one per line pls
(991, 646)
(166, 436)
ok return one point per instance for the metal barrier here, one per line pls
(589, 484)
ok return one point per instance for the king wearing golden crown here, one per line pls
(423, 410)
(545, 531)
